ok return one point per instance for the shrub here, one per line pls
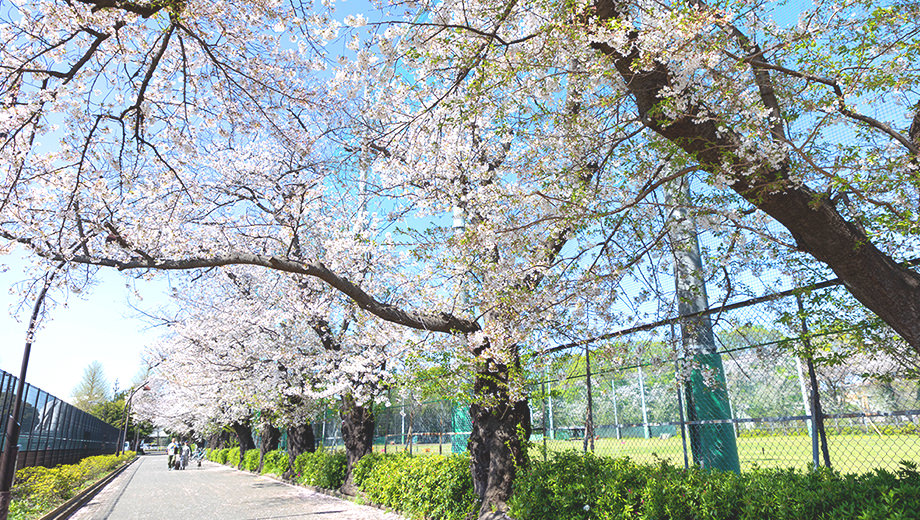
(276, 462)
(579, 484)
(362, 470)
(233, 457)
(425, 486)
(325, 469)
(220, 456)
(39, 489)
(886, 429)
(251, 460)
(582, 487)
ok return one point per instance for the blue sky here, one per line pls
(97, 325)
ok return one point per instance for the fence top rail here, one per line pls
(708, 312)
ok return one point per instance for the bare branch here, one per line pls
(841, 102)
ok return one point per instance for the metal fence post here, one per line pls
(616, 412)
(589, 422)
(645, 425)
(545, 415)
(817, 414)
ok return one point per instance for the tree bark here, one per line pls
(268, 441)
(218, 440)
(890, 290)
(358, 435)
(244, 434)
(300, 440)
(498, 442)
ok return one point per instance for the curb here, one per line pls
(351, 498)
(70, 507)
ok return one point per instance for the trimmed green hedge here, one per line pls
(576, 486)
(233, 457)
(423, 486)
(251, 460)
(325, 469)
(218, 456)
(38, 489)
(276, 462)
(887, 429)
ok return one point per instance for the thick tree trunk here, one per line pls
(501, 429)
(244, 434)
(218, 440)
(300, 440)
(890, 290)
(358, 435)
(213, 441)
(268, 441)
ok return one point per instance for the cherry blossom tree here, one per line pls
(193, 141)
(231, 175)
(212, 381)
(782, 115)
(260, 333)
(494, 108)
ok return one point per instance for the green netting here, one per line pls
(462, 425)
(713, 445)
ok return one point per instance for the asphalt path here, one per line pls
(148, 490)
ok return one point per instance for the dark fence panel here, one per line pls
(53, 431)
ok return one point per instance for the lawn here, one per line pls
(849, 453)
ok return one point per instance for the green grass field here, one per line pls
(849, 453)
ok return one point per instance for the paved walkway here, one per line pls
(147, 490)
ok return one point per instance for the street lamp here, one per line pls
(10, 444)
(124, 435)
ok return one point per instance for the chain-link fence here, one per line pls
(788, 398)
(438, 426)
(869, 416)
(52, 431)
(768, 393)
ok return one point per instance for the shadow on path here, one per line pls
(151, 491)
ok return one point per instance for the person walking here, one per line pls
(186, 453)
(172, 451)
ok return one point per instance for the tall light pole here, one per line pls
(124, 435)
(10, 448)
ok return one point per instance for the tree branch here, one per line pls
(429, 321)
(841, 102)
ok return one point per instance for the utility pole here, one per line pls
(713, 444)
